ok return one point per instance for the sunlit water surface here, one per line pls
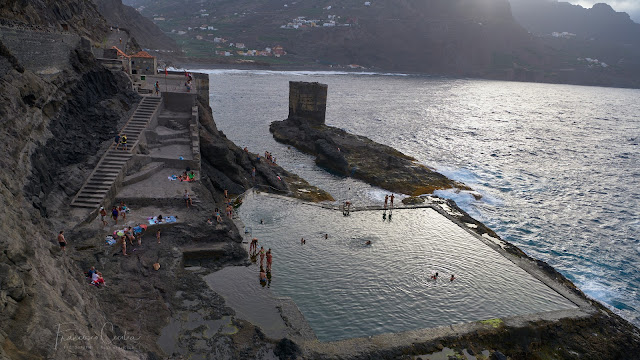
(558, 166)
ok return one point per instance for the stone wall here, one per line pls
(308, 100)
(144, 66)
(44, 53)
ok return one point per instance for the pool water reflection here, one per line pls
(347, 288)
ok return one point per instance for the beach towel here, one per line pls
(173, 177)
(165, 220)
(110, 240)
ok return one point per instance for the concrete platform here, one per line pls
(173, 152)
(157, 187)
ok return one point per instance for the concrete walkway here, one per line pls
(110, 168)
(115, 37)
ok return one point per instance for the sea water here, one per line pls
(558, 165)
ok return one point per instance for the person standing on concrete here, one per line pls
(122, 209)
(124, 245)
(103, 216)
(114, 214)
(62, 241)
(117, 140)
(187, 198)
(123, 141)
(386, 199)
(157, 87)
(391, 198)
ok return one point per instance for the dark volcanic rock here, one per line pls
(287, 350)
(359, 157)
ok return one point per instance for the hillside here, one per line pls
(446, 37)
(409, 35)
(600, 23)
(142, 29)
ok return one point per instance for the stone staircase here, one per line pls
(101, 182)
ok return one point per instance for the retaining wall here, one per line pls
(45, 53)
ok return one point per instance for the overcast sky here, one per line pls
(632, 7)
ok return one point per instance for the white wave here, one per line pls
(288, 72)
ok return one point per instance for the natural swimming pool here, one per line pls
(346, 288)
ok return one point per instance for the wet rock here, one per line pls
(413, 200)
(498, 356)
(287, 350)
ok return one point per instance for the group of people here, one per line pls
(116, 211)
(95, 277)
(187, 176)
(121, 140)
(270, 158)
(265, 273)
(253, 250)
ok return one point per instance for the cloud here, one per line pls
(632, 7)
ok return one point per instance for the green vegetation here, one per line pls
(496, 323)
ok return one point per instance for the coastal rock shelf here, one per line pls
(351, 155)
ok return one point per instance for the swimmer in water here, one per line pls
(434, 277)
(326, 236)
(368, 242)
(302, 241)
(452, 278)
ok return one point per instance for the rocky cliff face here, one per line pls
(48, 131)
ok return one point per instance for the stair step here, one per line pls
(108, 183)
(83, 204)
(90, 197)
(107, 172)
(94, 191)
(103, 188)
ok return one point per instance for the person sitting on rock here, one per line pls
(159, 219)
(91, 272)
(192, 176)
(99, 280)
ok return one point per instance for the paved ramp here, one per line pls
(109, 171)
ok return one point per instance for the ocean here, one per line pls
(558, 166)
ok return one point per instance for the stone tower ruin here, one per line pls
(308, 101)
